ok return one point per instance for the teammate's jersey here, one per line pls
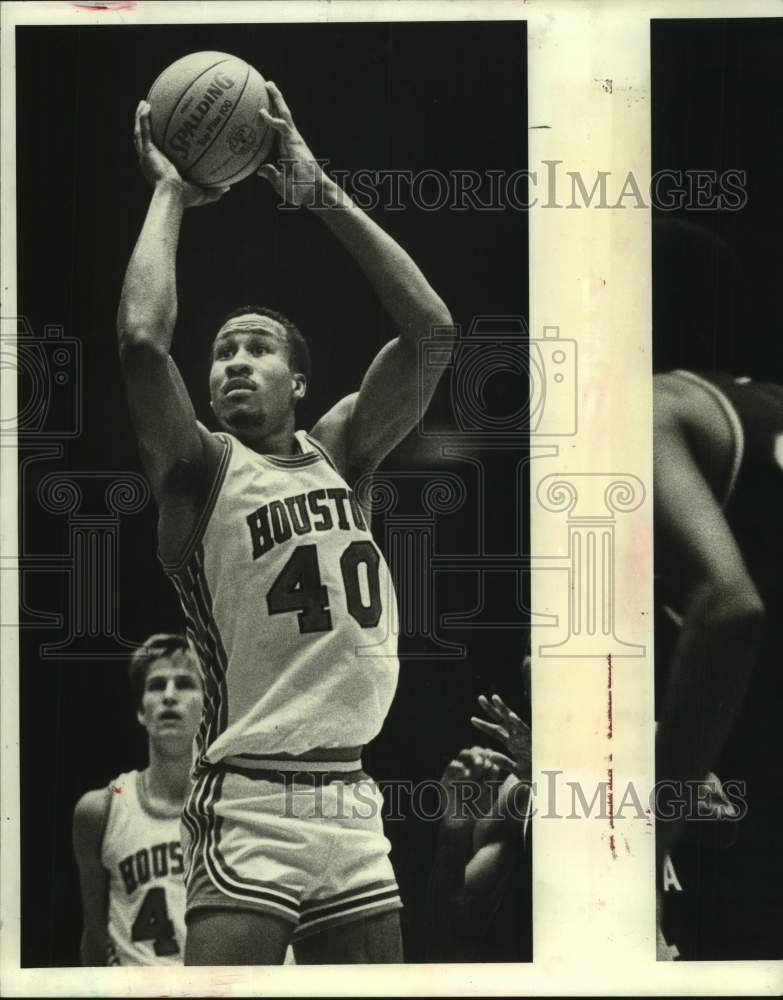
(142, 854)
(290, 606)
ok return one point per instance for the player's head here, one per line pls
(260, 367)
(166, 683)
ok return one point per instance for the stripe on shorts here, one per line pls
(251, 761)
(221, 874)
(349, 903)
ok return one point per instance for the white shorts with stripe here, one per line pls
(304, 845)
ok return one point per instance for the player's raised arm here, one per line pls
(89, 819)
(161, 410)
(362, 429)
(707, 581)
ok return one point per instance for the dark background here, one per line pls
(717, 274)
(717, 278)
(404, 96)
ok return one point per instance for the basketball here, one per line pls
(204, 118)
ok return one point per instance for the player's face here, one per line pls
(251, 383)
(171, 704)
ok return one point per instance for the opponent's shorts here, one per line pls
(304, 845)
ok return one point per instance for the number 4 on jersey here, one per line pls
(152, 923)
(298, 587)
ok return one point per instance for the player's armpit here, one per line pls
(332, 431)
(394, 393)
(89, 823)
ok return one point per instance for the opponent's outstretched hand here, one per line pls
(157, 168)
(301, 174)
(512, 732)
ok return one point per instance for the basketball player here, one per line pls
(126, 837)
(719, 549)
(286, 595)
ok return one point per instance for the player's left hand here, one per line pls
(507, 727)
(486, 770)
(300, 175)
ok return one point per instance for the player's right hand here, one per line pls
(158, 168)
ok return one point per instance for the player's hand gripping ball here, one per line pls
(205, 118)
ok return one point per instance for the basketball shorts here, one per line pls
(304, 845)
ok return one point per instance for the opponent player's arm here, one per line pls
(472, 861)
(89, 820)
(363, 428)
(172, 446)
(698, 558)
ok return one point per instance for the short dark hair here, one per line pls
(298, 350)
(153, 649)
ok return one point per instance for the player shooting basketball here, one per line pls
(279, 578)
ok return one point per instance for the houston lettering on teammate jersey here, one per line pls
(290, 606)
(142, 854)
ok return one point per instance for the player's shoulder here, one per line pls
(672, 390)
(193, 474)
(92, 803)
(90, 815)
(683, 397)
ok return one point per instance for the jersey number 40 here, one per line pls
(298, 587)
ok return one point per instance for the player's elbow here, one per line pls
(439, 321)
(139, 342)
(431, 319)
(733, 610)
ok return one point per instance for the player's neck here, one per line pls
(167, 779)
(279, 442)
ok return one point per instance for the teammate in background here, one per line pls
(280, 580)
(479, 894)
(719, 550)
(126, 837)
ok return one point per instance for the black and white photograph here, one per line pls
(270, 340)
(717, 144)
(391, 439)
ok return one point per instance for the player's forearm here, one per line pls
(447, 905)
(404, 292)
(93, 950)
(148, 305)
(707, 680)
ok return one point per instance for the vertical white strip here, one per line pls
(589, 116)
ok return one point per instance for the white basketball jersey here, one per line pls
(141, 852)
(291, 607)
